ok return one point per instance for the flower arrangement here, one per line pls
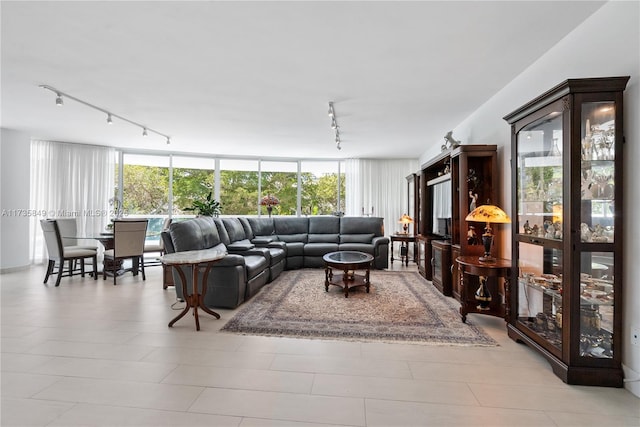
(269, 200)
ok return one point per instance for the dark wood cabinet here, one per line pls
(424, 255)
(455, 274)
(565, 299)
(446, 183)
(441, 266)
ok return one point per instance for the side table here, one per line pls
(404, 240)
(485, 303)
(197, 260)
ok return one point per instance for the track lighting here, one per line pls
(110, 116)
(334, 124)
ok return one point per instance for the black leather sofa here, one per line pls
(259, 249)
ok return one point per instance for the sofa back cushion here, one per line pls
(324, 225)
(262, 226)
(362, 225)
(356, 238)
(248, 232)
(194, 234)
(222, 231)
(292, 225)
(234, 229)
(324, 238)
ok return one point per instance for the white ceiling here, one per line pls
(255, 78)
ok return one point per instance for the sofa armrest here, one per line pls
(253, 251)
(380, 240)
(230, 260)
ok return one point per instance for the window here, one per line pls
(239, 186)
(322, 184)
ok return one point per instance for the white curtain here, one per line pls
(70, 180)
(379, 188)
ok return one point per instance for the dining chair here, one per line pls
(154, 246)
(128, 243)
(58, 254)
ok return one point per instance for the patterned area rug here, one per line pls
(401, 306)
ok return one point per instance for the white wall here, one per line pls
(14, 199)
(606, 44)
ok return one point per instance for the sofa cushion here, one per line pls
(264, 240)
(222, 231)
(295, 249)
(360, 225)
(324, 238)
(291, 238)
(284, 225)
(234, 229)
(255, 264)
(319, 249)
(248, 232)
(356, 238)
(324, 225)
(240, 245)
(262, 226)
(359, 247)
(194, 234)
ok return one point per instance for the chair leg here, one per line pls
(60, 270)
(82, 267)
(95, 267)
(49, 270)
(142, 267)
(115, 272)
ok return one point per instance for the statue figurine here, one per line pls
(450, 140)
(474, 198)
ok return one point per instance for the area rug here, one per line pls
(400, 306)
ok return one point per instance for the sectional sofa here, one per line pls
(259, 249)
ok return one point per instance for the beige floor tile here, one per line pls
(107, 369)
(281, 406)
(18, 384)
(84, 335)
(394, 389)
(570, 419)
(578, 399)
(483, 373)
(261, 422)
(203, 357)
(19, 362)
(91, 350)
(122, 393)
(312, 347)
(31, 412)
(109, 416)
(248, 379)
(385, 413)
(341, 365)
(203, 339)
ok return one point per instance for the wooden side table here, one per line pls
(470, 265)
(404, 240)
(197, 260)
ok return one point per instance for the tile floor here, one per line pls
(91, 354)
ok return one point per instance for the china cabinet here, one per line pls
(565, 298)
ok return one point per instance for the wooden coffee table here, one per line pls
(348, 262)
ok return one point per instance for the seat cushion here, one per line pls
(255, 264)
(319, 249)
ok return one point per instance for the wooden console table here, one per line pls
(404, 240)
(470, 265)
(197, 260)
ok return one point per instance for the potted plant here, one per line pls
(207, 207)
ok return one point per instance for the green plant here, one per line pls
(207, 207)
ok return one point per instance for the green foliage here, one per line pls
(206, 207)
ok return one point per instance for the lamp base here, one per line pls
(488, 259)
(482, 295)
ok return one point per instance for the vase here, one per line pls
(269, 209)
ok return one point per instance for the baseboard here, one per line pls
(631, 380)
(14, 269)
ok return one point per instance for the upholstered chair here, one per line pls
(128, 243)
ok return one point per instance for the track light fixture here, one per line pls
(145, 129)
(334, 125)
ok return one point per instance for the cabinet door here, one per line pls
(540, 229)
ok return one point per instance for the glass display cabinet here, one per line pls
(567, 148)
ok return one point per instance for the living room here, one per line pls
(603, 43)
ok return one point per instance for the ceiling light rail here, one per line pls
(334, 124)
(110, 116)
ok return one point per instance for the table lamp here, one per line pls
(488, 214)
(405, 220)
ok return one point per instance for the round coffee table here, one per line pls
(348, 262)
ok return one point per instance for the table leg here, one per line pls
(463, 296)
(185, 296)
(326, 278)
(204, 291)
(366, 278)
(345, 280)
(392, 252)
